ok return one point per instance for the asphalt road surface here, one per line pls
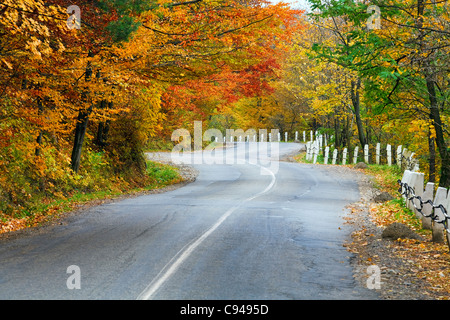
(251, 227)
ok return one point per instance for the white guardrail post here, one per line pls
(434, 213)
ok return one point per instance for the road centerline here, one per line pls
(172, 266)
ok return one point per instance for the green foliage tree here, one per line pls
(403, 65)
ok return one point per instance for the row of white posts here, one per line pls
(269, 137)
(315, 146)
(402, 155)
(415, 180)
(254, 138)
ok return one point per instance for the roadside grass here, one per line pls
(385, 178)
(430, 261)
(161, 175)
(50, 208)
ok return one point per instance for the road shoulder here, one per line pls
(398, 279)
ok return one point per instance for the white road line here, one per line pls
(171, 267)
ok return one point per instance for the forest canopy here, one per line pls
(85, 89)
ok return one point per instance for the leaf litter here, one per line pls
(410, 269)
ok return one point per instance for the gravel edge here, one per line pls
(398, 282)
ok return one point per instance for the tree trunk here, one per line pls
(80, 132)
(431, 159)
(444, 180)
(444, 152)
(82, 123)
(336, 133)
(103, 127)
(102, 134)
(355, 86)
(314, 127)
(348, 134)
(37, 152)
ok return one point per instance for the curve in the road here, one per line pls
(187, 250)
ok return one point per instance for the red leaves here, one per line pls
(257, 78)
(191, 59)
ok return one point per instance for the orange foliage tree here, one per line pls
(84, 97)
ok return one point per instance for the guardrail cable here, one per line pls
(410, 195)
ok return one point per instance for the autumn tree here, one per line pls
(403, 64)
(320, 89)
(77, 101)
(213, 53)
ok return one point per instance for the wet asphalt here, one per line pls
(251, 227)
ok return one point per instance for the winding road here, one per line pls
(251, 227)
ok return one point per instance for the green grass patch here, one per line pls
(161, 175)
(385, 178)
(48, 208)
